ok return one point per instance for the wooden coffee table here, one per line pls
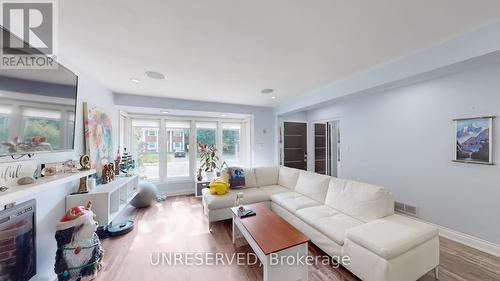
(273, 240)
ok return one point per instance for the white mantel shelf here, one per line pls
(15, 193)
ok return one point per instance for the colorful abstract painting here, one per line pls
(98, 137)
(473, 140)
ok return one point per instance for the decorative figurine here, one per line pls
(49, 171)
(79, 253)
(69, 167)
(118, 159)
(108, 173)
(117, 167)
(83, 186)
(127, 164)
(112, 171)
(85, 162)
(105, 175)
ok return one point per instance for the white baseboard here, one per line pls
(466, 239)
(176, 192)
(471, 241)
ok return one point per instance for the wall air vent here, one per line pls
(406, 209)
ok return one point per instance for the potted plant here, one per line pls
(208, 159)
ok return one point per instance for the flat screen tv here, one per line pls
(37, 110)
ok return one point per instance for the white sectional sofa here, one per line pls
(343, 218)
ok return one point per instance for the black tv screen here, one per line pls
(37, 110)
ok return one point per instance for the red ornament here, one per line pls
(78, 250)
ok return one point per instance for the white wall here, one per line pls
(402, 139)
(51, 204)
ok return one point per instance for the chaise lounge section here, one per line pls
(343, 218)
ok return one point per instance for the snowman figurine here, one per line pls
(79, 252)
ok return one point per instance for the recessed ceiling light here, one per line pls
(223, 115)
(267, 91)
(273, 97)
(134, 80)
(155, 75)
(165, 112)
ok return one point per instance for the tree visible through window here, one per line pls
(206, 133)
(231, 134)
(145, 149)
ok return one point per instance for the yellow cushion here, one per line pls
(218, 187)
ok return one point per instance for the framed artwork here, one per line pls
(98, 137)
(474, 139)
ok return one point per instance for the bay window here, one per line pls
(167, 148)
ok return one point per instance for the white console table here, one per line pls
(108, 200)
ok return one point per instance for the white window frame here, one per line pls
(245, 141)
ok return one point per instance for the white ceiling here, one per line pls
(228, 50)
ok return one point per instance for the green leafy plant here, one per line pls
(208, 157)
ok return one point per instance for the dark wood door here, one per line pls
(295, 145)
(320, 148)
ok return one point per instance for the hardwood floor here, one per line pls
(178, 225)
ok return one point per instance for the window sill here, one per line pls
(179, 180)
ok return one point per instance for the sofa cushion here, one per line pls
(266, 175)
(392, 236)
(313, 185)
(251, 195)
(288, 177)
(360, 200)
(312, 214)
(335, 227)
(273, 189)
(293, 201)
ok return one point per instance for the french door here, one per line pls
(295, 145)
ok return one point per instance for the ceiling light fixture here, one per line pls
(155, 75)
(223, 115)
(165, 112)
(135, 80)
(273, 97)
(267, 91)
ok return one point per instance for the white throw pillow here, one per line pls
(313, 185)
(288, 177)
(266, 175)
(363, 201)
